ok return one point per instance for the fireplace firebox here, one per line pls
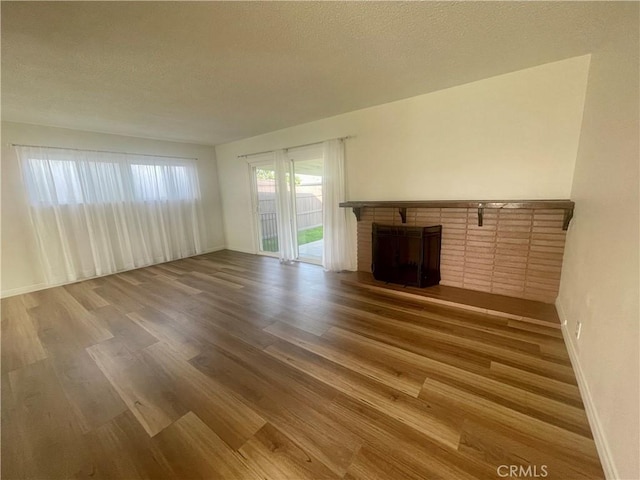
(406, 255)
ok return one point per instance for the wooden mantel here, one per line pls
(402, 205)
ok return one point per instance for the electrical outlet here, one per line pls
(578, 329)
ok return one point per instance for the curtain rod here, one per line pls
(295, 146)
(103, 151)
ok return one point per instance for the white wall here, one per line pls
(21, 270)
(600, 285)
(514, 136)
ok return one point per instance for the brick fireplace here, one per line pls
(514, 249)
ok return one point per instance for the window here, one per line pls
(161, 182)
(65, 182)
(96, 213)
(79, 180)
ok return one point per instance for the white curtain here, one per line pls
(284, 207)
(97, 213)
(339, 246)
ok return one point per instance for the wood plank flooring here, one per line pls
(232, 366)
(512, 307)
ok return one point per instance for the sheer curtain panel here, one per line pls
(339, 250)
(96, 213)
(284, 208)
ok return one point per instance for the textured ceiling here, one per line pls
(212, 72)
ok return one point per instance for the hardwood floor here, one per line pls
(500, 305)
(230, 365)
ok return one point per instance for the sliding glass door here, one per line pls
(305, 195)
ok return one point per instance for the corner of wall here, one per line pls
(602, 446)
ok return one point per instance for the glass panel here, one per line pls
(161, 182)
(54, 182)
(308, 199)
(266, 191)
(60, 182)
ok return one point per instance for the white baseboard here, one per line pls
(41, 286)
(242, 250)
(212, 249)
(21, 290)
(599, 437)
